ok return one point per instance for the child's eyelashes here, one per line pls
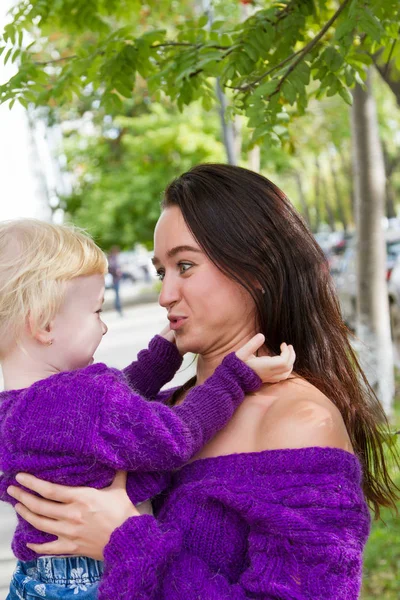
(99, 311)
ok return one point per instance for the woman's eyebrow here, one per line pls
(174, 251)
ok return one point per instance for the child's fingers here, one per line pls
(249, 349)
(274, 368)
(168, 334)
(283, 361)
(165, 330)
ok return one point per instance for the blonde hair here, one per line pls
(36, 261)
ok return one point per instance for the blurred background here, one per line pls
(101, 107)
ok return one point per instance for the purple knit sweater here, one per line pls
(79, 427)
(275, 525)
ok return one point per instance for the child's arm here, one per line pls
(154, 367)
(137, 435)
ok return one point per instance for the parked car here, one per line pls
(344, 274)
(336, 251)
(394, 303)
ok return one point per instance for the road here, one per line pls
(126, 336)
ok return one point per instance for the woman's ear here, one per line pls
(43, 335)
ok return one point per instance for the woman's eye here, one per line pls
(183, 267)
(160, 274)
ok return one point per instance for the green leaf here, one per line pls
(15, 55)
(251, 52)
(303, 71)
(334, 87)
(266, 89)
(207, 103)
(7, 56)
(346, 95)
(289, 91)
(203, 21)
(280, 130)
(332, 58)
(370, 24)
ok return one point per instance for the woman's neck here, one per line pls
(209, 361)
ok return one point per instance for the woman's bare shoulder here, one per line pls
(298, 415)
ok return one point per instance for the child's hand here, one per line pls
(168, 334)
(270, 369)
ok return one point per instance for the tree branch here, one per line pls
(54, 61)
(302, 54)
(165, 44)
(244, 88)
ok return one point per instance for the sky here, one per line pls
(21, 184)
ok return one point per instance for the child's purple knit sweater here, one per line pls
(79, 427)
(274, 525)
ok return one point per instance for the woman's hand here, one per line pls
(82, 518)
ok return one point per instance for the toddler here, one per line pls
(69, 421)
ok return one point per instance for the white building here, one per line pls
(26, 164)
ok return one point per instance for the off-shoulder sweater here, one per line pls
(79, 427)
(275, 525)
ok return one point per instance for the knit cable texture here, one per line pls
(80, 427)
(275, 525)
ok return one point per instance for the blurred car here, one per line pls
(394, 303)
(337, 250)
(344, 274)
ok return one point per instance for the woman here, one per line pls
(277, 506)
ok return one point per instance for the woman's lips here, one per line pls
(176, 323)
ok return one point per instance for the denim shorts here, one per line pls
(54, 577)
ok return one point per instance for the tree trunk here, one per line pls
(254, 156)
(347, 171)
(341, 209)
(317, 199)
(329, 210)
(373, 322)
(390, 166)
(303, 201)
(228, 133)
(227, 127)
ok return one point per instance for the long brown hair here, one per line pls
(251, 232)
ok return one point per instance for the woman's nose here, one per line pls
(170, 291)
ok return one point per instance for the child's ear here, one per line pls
(43, 335)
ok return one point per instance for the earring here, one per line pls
(50, 343)
(262, 291)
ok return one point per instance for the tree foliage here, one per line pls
(122, 167)
(270, 65)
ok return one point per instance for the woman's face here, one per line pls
(209, 312)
